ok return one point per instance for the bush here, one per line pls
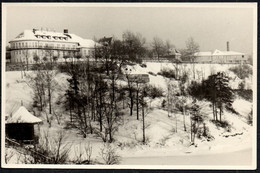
(222, 124)
(197, 90)
(154, 92)
(109, 155)
(203, 132)
(151, 73)
(168, 73)
(242, 71)
(245, 94)
(231, 109)
(163, 103)
(143, 65)
(250, 118)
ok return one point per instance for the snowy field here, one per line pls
(165, 146)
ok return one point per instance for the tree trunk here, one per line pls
(220, 113)
(184, 112)
(100, 113)
(213, 111)
(70, 107)
(137, 104)
(49, 94)
(131, 103)
(143, 124)
(191, 129)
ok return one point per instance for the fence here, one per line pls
(27, 150)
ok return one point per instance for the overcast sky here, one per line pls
(210, 27)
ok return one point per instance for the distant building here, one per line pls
(173, 54)
(106, 41)
(49, 44)
(218, 56)
(170, 55)
(8, 54)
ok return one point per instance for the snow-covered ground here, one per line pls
(164, 145)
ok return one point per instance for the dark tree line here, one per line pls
(215, 89)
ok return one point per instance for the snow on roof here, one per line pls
(84, 42)
(40, 35)
(203, 54)
(174, 51)
(218, 52)
(22, 115)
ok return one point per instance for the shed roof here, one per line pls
(22, 115)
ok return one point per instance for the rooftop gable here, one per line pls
(22, 115)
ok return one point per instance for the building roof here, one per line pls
(41, 35)
(106, 40)
(22, 115)
(218, 52)
(174, 51)
(88, 43)
(203, 54)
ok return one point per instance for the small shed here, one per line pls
(20, 125)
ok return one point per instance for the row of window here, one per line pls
(41, 45)
(88, 52)
(49, 37)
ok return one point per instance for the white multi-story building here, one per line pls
(38, 45)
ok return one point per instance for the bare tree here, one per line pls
(134, 45)
(49, 77)
(191, 48)
(168, 46)
(109, 155)
(26, 54)
(158, 47)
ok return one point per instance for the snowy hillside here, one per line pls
(165, 134)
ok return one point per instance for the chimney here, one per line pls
(65, 31)
(228, 46)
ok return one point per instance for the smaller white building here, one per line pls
(218, 56)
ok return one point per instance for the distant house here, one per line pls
(20, 125)
(173, 54)
(106, 41)
(170, 55)
(218, 56)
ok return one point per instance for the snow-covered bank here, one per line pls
(164, 144)
(237, 158)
